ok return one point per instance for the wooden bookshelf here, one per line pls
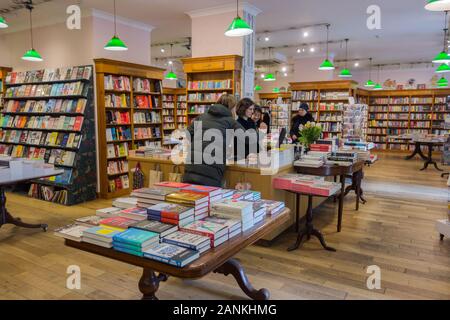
(3, 72)
(326, 101)
(72, 135)
(266, 99)
(396, 112)
(174, 106)
(140, 103)
(208, 78)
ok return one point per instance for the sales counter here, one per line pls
(260, 180)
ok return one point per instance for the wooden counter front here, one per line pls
(235, 174)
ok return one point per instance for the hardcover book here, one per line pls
(137, 237)
(187, 240)
(170, 211)
(71, 232)
(163, 229)
(207, 229)
(171, 254)
(117, 222)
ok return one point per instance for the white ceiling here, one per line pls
(409, 32)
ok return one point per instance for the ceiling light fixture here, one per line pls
(3, 23)
(239, 27)
(115, 44)
(443, 57)
(345, 73)
(263, 75)
(298, 50)
(171, 75)
(438, 5)
(285, 74)
(284, 69)
(305, 34)
(327, 64)
(378, 86)
(32, 54)
(312, 49)
(270, 77)
(443, 68)
(442, 82)
(258, 88)
(370, 83)
(356, 64)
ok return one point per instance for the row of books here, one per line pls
(47, 90)
(48, 193)
(199, 109)
(379, 116)
(403, 116)
(117, 101)
(119, 183)
(117, 167)
(212, 97)
(147, 117)
(56, 157)
(49, 75)
(334, 95)
(118, 134)
(402, 124)
(64, 179)
(330, 117)
(305, 95)
(306, 184)
(395, 132)
(376, 131)
(42, 122)
(147, 133)
(117, 83)
(146, 102)
(424, 116)
(116, 117)
(168, 105)
(117, 150)
(39, 138)
(332, 126)
(168, 112)
(420, 124)
(204, 85)
(147, 85)
(331, 106)
(50, 106)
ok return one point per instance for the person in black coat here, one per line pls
(245, 109)
(302, 118)
(220, 117)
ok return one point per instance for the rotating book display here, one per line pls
(49, 115)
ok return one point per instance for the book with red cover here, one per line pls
(174, 185)
(78, 124)
(117, 222)
(207, 191)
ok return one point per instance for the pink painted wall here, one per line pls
(306, 69)
(208, 38)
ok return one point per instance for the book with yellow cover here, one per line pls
(190, 199)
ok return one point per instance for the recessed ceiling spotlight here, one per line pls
(284, 69)
(356, 64)
(266, 39)
(262, 75)
(305, 34)
(303, 50)
(163, 50)
(312, 49)
(170, 62)
(298, 50)
(285, 74)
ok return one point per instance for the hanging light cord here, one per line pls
(171, 56)
(346, 53)
(237, 8)
(370, 69)
(445, 31)
(30, 8)
(115, 19)
(328, 31)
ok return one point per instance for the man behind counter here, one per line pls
(302, 118)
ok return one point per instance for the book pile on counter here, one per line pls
(173, 222)
(316, 159)
(306, 184)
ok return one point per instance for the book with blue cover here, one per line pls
(171, 254)
(137, 237)
(125, 250)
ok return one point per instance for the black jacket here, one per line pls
(248, 125)
(298, 121)
(220, 118)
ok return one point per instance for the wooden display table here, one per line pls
(218, 260)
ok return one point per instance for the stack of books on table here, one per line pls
(90, 221)
(137, 214)
(163, 229)
(342, 158)
(284, 182)
(233, 225)
(227, 194)
(314, 159)
(199, 202)
(117, 223)
(108, 212)
(315, 185)
(240, 210)
(212, 193)
(100, 236)
(171, 186)
(125, 203)
(243, 196)
(134, 241)
(217, 234)
(188, 240)
(171, 254)
(150, 196)
(72, 232)
(321, 147)
(259, 212)
(272, 207)
(171, 213)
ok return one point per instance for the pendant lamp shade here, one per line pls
(258, 88)
(369, 84)
(442, 82)
(442, 57)
(270, 77)
(378, 87)
(327, 64)
(239, 27)
(3, 23)
(276, 90)
(443, 68)
(115, 44)
(345, 73)
(438, 5)
(171, 76)
(32, 54)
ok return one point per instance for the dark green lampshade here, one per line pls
(443, 68)
(442, 82)
(115, 44)
(369, 84)
(171, 76)
(438, 5)
(345, 73)
(238, 28)
(269, 77)
(276, 90)
(32, 55)
(378, 87)
(442, 57)
(326, 65)
(3, 23)
(258, 88)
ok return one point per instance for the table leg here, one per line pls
(149, 284)
(445, 175)
(441, 237)
(7, 218)
(310, 230)
(297, 213)
(430, 160)
(234, 268)
(341, 204)
(417, 150)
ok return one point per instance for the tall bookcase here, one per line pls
(49, 115)
(278, 105)
(397, 112)
(3, 72)
(326, 100)
(129, 115)
(266, 99)
(207, 79)
(174, 109)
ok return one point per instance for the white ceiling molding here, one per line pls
(245, 6)
(124, 21)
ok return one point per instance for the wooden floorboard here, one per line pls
(394, 230)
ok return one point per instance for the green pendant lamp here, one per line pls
(171, 75)
(327, 64)
(270, 77)
(258, 88)
(345, 73)
(276, 90)
(370, 83)
(442, 83)
(443, 57)
(3, 23)
(32, 54)
(443, 68)
(437, 5)
(378, 86)
(239, 27)
(115, 44)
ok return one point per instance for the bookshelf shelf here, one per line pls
(56, 146)
(135, 90)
